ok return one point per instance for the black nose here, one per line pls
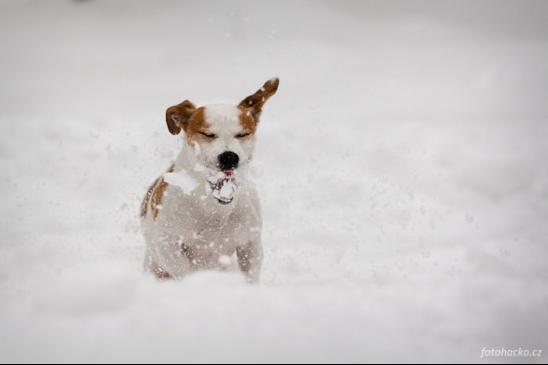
(228, 161)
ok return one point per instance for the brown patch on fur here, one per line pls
(197, 124)
(146, 200)
(247, 120)
(156, 199)
(154, 195)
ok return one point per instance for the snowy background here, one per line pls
(404, 178)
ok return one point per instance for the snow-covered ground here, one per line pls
(403, 177)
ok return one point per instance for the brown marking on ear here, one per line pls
(178, 116)
(154, 195)
(255, 102)
(196, 124)
(247, 120)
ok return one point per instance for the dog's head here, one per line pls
(222, 137)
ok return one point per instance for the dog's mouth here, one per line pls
(223, 186)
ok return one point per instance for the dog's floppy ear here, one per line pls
(178, 116)
(256, 101)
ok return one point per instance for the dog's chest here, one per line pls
(205, 228)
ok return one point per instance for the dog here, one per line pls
(205, 208)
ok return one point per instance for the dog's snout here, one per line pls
(228, 161)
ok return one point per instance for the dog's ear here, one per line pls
(255, 102)
(178, 116)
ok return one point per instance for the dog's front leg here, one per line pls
(250, 260)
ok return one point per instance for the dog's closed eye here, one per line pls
(243, 135)
(208, 135)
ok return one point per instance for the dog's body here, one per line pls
(205, 208)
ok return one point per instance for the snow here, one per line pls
(222, 186)
(182, 180)
(225, 117)
(401, 168)
(227, 190)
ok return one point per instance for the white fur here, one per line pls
(224, 121)
(193, 231)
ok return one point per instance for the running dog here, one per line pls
(205, 209)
